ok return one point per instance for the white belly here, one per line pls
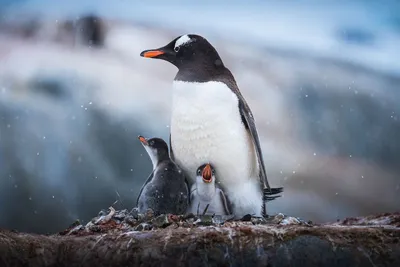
(198, 204)
(206, 127)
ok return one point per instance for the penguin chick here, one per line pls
(165, 190)
(205, 192)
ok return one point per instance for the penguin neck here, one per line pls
(157, 157)
(161, 158)
(202, 72)
(159, 161)
(206, 191)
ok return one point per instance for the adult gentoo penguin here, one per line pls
(165, 190)
(205, 192)
(211, 122)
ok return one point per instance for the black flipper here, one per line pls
(145, 183)
(249, 123)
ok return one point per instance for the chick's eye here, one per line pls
(176, 49)
(213, 172)
(198, 171)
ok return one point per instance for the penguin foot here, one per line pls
(268, 198)
(250, 218)
(205, 209)
(246, 218)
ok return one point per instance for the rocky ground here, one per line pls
(123, 238)
(124, 220)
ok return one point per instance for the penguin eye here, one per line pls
(213, 172)
(176, 49)
(198, 172)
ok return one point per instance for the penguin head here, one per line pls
(187, 51)
(156, 148)
(206, 172)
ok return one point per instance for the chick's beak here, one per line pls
(142, 140)
(207, 174)
(152, 53)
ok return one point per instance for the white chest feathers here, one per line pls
(206, 127)
(203, 195)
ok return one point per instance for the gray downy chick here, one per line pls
(165, 190)
(206, 192)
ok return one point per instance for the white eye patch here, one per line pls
(184, 39)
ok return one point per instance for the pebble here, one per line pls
(290, 221)
(149, 214)
(120, 215)
(134, 213)
(161, 221)
(143, 227)
(133, 220)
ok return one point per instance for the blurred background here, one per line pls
(322, 79)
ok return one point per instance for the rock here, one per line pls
(277, 218)
(161, 221)
(221, 219)
(205, 220)
(134, 213)
(103, 212)
(71, 228)
(258, 220)
(121, 215)
(392, 219)
(235, 243)
(143, 227)
(130, 220)
(289, 221)
(149, 214)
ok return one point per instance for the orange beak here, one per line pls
(207, 174)
(143, 140)
(151, 53)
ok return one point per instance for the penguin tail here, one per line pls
(272, 191)
(271, 194)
